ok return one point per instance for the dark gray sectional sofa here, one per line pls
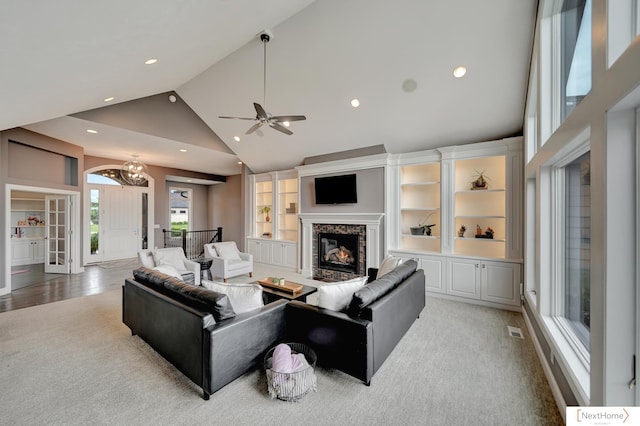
(199, 333)
(359, 340)
(197, 330)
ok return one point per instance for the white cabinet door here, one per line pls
(38, 251)
(252, 248)
(433, 273)
(20, 252)
(501, 282)
(265, 248)
(27, 251)
(260, 249)
(464, 278)
(278, 253)
(290, 255)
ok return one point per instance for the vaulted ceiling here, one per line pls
(62, 59)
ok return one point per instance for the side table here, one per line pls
(205, 264)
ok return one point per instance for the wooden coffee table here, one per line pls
(272, 294)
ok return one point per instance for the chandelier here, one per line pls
(133, 172)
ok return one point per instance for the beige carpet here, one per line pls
(74, 362)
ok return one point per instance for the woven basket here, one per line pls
(291, 386)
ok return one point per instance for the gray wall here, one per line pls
(31, 159)
(370, 194)
(26, 158)
(371, 197)
(225, 209)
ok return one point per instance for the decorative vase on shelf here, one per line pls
(267, 218)
(417, 230)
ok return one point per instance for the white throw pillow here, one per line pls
(337, 296)
(227, 250)
(169, 257)
(169, 270)
(388, 264)
(243, 297)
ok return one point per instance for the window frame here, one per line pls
(554, 52)
(558, 264)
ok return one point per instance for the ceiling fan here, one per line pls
(278, 122)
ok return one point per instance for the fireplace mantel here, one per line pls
(370, 220)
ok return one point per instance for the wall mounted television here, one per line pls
(336, 189)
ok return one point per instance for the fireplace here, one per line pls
(338, 252)
(365, 225)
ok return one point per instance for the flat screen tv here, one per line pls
(336, 189)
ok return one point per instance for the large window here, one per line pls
(575, 54)
(577, 247)
(180, 206)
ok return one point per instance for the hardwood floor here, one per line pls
(46, 288)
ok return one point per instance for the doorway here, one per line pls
(118, 218)
(29, 243)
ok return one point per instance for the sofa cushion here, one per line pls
(237, 264)
(200, 298)
(336, 296)
(169, 257)
(243, 297)
(388, 264)
(168, 270)
(380, 287)
(227, 250)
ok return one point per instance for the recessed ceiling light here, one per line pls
(285, 123)
(109, 99)
(183, 150)
(459, 71)
(409, 85)
(239, 162)
(355, 103)
(92, 131)
(236, 138)
(150, 61)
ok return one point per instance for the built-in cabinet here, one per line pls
(273, 237)
(25, 251)
(472, 195)
(278, 253)
(27, 231)
(458, 210)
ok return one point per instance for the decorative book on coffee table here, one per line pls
(287, 286)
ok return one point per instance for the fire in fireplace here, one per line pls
(338, 252)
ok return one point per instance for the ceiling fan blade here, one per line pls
(282, 118)
(254, 127)
(237, 118)
(280, 128)
(262, 114)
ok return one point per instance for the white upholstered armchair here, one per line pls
(173, 257)
(228, 261)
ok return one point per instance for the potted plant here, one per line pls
(422, 228)
(265, 210)
(480, 182)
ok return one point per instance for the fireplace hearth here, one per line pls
(338, 252)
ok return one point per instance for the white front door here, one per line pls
(120, 223)
(56, 248)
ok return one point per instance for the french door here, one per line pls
(57, 234)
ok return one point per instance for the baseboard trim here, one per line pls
(555, 389)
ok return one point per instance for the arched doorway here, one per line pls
(118, 218)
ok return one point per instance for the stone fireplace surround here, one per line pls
(368, 224)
